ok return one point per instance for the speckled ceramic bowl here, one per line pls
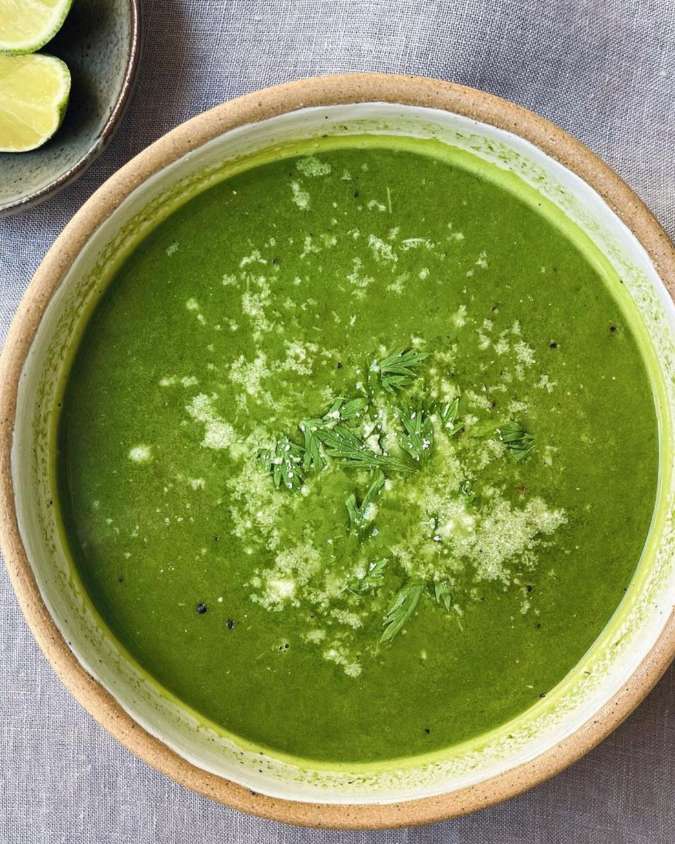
(101, 43)
(616, 673)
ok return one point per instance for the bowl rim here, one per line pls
(105, 134)
(252, 108)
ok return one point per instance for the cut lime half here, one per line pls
(27, 25)
(33, 99)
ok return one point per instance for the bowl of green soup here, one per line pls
(336, 452)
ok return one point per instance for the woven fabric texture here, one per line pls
(602, 69)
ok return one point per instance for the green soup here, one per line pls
(359, 453)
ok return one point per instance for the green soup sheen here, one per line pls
(359, 453)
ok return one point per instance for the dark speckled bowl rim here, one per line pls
(104, 136)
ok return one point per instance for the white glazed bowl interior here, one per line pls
(628, 638)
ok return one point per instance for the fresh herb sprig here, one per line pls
(371, 578)
(405, 603)
(285, 463)
(443, 594)
(313, 457)
(335, 436)
(398, 369)
(343, 444)
(342, 410)
(418, 433)
(328, 436)
(517, 440)
(359, 515)
(406, 600)
(448, 415)
(347, 408)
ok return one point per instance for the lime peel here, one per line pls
(27, 25)
(34, 92)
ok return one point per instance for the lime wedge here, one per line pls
(33, 99)
(27, 25)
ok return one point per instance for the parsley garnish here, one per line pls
(342, 443)
(329, 436)
(285, 463)
(519, 443)
(338, 435)
(372, 576)
(418, 436)
(348, 409)
(358, 514)
(342, 410)
(397, 370)
(447, 415)
(443, 594)
(406, 600)
(313, 457)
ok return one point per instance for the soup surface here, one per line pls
(359, 454)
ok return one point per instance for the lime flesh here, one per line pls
(33, 99)
(27, 25)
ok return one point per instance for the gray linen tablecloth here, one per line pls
(602, 69)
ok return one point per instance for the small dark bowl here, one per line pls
(101, 44)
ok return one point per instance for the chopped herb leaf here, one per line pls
(288, 462)
(313, 457)
(397, 370)
(351, 408)
(359, 515)
(447, 415)
(472, 498)
(341, 410)
(285, 463)
(342, 443)
(406, 600)
(519, 443)
(443, 594)
(418, 436)
(339, 441)
(372, 577)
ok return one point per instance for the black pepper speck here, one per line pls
(230, 624)
(201, 609)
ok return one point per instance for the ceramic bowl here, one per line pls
(616, 673)
(100, 42)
